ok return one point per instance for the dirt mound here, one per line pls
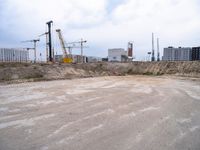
(35, 72)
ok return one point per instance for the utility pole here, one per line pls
(49, 24)
(153, 50)
(158, 50)
(35, 44)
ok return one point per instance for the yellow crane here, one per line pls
(67, 57)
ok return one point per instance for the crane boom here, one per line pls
(62, 43)
(66, 57)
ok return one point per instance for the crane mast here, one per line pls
(49, 24)
(47, 45)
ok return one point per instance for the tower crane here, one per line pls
(81, 46)
(66, 57)
(47, 43)
(34, 41)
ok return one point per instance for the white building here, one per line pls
(13, 55)
(117, 55)
(177, 54)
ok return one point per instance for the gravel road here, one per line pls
(105, 113)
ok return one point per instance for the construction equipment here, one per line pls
(47, 53)
(81, 46)
(49, 24)
(35, 43)
(67, 57)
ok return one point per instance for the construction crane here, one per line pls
(67, 58)
(81, 46)
(35, 44)
(47, 53)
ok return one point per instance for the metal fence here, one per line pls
(13, 55)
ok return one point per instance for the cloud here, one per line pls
(104, 23)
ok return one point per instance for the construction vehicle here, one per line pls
(67, 57)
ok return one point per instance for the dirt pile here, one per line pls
(35, 72)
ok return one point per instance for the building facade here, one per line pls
(13, 55)
(92, 59)
(195, 53)
(177, 54)
(117, 55)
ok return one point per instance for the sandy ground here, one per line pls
(105, 113)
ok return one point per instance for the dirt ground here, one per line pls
(102, 113)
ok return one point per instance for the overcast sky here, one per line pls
(104, 23)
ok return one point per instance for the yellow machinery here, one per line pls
(67, 58)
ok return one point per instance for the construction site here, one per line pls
(78, 102)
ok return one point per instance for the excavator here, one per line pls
(67, 57)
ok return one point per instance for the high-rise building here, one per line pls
(195, 53)
(13, 55)
(177, 54)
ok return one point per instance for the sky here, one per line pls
(103, 23)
